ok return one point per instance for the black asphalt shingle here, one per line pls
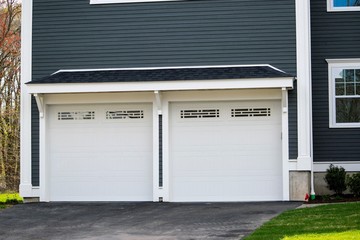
(168, 74)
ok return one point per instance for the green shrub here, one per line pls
(353, 183)
(10, 198)
(336, 179)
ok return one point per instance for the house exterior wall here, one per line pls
(334, 36)
(76, 35)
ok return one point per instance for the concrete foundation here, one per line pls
(299, 185)
(31, 199)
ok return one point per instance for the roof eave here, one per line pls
(102, 87)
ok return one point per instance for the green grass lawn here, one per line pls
(349, 235)
(322, 220)
(9, 199)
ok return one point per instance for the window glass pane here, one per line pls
(349, 75)
(346, 3)
(350, 89)
(358, 89)
(340, 89)
(357, 75)
(348, 110)
(350, 78)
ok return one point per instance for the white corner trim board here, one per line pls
(126, 1)
(25, 106)
(303, 53)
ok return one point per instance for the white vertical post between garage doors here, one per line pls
(157, 113)
(285, 143)
(40, 101)
(165, 149)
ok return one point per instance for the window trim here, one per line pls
(126, 1)
(338, 63)
(331, 8)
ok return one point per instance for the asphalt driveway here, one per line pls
(140, 221)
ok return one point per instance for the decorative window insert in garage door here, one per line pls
(250, 112)
(76, 115)
(200, 113)
(123, 114)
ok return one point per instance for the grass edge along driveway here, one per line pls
(323, 221)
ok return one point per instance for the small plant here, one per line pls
(326, 197)
(337, 197)
(353, 183)
(335, 179)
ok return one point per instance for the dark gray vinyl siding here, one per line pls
(293, 146)
(335, 35)
(35, 143)
(161, 177)
(70, 34)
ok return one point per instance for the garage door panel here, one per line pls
(226, 158)
(102, 159)
(212, 136)
(219, 191)
(104, 190)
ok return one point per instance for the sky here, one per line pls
(343, 3)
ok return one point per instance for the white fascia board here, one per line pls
(160, 86)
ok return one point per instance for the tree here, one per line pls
(10, 21)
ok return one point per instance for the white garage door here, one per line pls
(227, 151)
(100, 152)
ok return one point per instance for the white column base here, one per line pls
(304, 163)
(26, 190)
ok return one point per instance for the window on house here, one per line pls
(125, 1)
(344, 93)
(343, 5)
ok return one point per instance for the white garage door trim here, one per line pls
(229, 95)
(161, 193)
(225, 151)
(94, 152)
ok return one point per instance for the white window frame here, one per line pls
(126, 1)
(331, 8)
(339, 63)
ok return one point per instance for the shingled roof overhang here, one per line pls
(162, 79)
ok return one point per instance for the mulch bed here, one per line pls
(334, 199)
